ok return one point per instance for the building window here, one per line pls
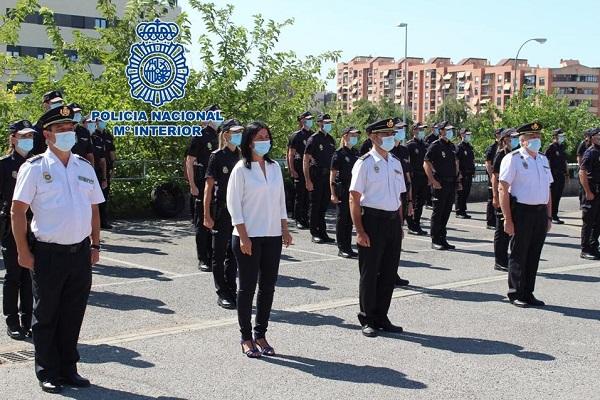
(499, 90)
(542, 82)
(99, 23)
(499, 78)
(13, 51)
(476, 79)
(476, 92)
(499, 101)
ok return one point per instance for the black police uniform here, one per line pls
(99, 151)
(298, 142)
(84, 145)
(342, 161)
(224, 266)
(442, 157)
(428, 140)
(17, 290)
(581, 148)
(420, 188)
(109, 147)
(365, 147)
(201, 147)
(501, 239)
(490, 213)
(590, 209)
(401, 153)
(466, 166)
(557, 157)
(320, 146)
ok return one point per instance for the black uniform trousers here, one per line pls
(501, 241)
(224, 265)
(442, 208)
(103, 207)
(343, 222)
(301, 203)
(62, 279)
(590, 229)
(203, 235)
(556, 191)
(320, 198)
(420, 191)
(261, 267)
(17, 291)
(462, 196)
(378, 264)
(490, 212)
(531, 226)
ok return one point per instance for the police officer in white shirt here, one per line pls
(375, 207)
(525, 179)
(63, 193)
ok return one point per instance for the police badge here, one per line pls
(47, 177)
(443, 154)
(347, 159)
(209, 146)
(321, 147)
(225, 170)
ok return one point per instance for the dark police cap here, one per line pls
(444, 125)
(212, 107)
(350, 129)
(533, 127)
(74, 106)
(323, 117)
(591, 132)
(306, 114)
(400, 124)
(419, 125)
(23, 126)
(384, 125)
(52, 95)
(499, 131)
(508, 132)
(56, 115)
(231, 124)
(464, 131)
(557, 131)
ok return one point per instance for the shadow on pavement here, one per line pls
(338, 371)
(127, 302)
(570, 277)
(104, 353)
(134, 250)
(287, 258)
(128, 272)
(292, 281)
(460, 295)
(103, 393)
(416, 264)
(584, 313)
(310, 319)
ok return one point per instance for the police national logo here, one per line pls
(156, 69)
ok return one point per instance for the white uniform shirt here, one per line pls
(257, 201)
(60, 197)
(379, 182)
(529, 178)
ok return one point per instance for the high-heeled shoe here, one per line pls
(252, 352)
(266, 350)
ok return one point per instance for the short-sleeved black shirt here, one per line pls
(365, 147)
(490, 152)
(498, 160)
(401, 152)
(591, 163)
(39, 142)
(220, 164)
(417, 149)
(429, 139)
(297, 142)
(84, 145)
(200, 148)
(99, 152)
(320, 146)
(109, 146)
(557, 158)
(583, 146)
(9, 167)
(342, 161)
(466, 158)
(441, 155)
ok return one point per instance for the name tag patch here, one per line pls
(87, 180)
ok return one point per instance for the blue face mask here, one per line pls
(92, 127)
(467, 138)
(436, 131)
(25, 144)
(262, 147)
(55, 105)
(353, 141)
(514, 142)
(235, 139)
(327, 128)
(421, 134)
(561, 139)
(400, 135)
(308, 123)
(102, 124)
(77, 117)
(534, 145)
(450, 134)
(387, 143)
(65, 141)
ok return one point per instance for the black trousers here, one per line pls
(16, 289)
(490, 212)
(103, 207)
(420, 192)
(223, 261)
(531, 226)
(203, 235)
(261, 267)
(378, 267)
(320, 198)
(501, 241)
(429, 196)
(343, 222)
(301, 203)
(556, 191)
(442, 208)
(61, 287)
(590, 229)
(462, 196)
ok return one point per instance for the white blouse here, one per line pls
(257, 201)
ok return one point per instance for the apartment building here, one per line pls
(474, 80)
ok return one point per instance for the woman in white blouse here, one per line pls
(256, 202)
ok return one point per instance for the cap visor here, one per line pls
(59, 121)
(26, 130)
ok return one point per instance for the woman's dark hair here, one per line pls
(250, 132)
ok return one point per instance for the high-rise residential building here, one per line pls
(474, 80)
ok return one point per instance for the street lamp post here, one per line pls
(540, 41)
(405, 26)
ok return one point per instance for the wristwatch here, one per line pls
(95, 247)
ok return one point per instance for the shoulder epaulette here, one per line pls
(82, 158)
(394, 156)
(35, 158)
(215, 151)
(515, 151)
(364, 156)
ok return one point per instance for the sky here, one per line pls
(443, 28)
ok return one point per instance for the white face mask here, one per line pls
(65, 140)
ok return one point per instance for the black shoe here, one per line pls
(369, 331)
(327, 239)
(491, 227)
(449, 246)
(225, 303)
(204, 267)
(76, 380)
(499, 267)
(300, 225)
(344, 254)
(26, 331)
(463, 216)
(15, 333)
(422, 233)
(436, 246)
(532, 301)
(51, 386)
(519, 303)
(318, 240)
(557, 221)
(401, 282)
(391, 328)
(353, 254)
(589, 256)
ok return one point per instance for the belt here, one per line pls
(320, 170)
(377, 213)
(531, 206)
(62, 248)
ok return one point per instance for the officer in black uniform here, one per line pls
(509, 141)
(557, 157)
(295, 154)
(111, 156)
(442, 172)
(429, 139)
(196, 162)
(584, 144)
(100, 167)
(466, 168)
(342, 161)
(216, 215)
(490, 154)
(589, 177)
(17, 293)
(316, 165)
(84, 146)
(50, 100)
(420, 188)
